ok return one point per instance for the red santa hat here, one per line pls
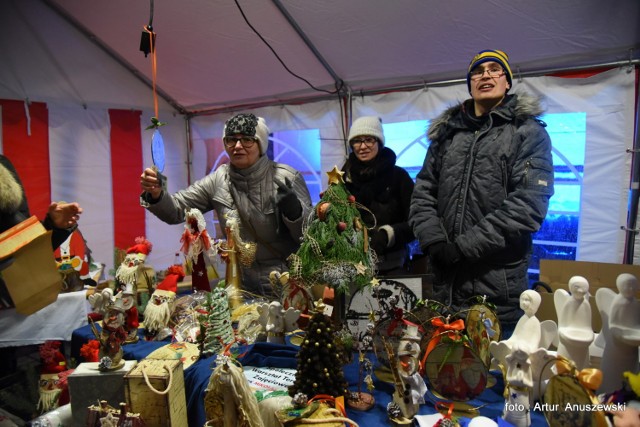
(169, 285)
(142, 247)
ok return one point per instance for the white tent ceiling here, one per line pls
(208, 58)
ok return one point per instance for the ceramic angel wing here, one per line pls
(548, 334)
(604, 299)
(291, 316)
(560, 298)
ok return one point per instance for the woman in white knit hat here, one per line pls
(268, 199)
(372, 176)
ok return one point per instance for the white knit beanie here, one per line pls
(367, 125)
(249, 125)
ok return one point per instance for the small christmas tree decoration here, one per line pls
(335, 246)
(215, 325)
(319, 368)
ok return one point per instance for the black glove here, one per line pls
(379, 241)
(444, 254)
(287, 200)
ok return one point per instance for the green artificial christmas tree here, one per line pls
(216, 330)
(320, 359)
(335, 248)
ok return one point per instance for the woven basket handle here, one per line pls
(146, 379)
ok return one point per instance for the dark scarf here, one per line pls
(361, 172)
(365, 179)
(469, 114)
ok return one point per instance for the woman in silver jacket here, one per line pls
(269, 199)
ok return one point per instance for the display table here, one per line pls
(197, 376)
(57, 321)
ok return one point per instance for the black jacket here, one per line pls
(385, 189)
(485, 185)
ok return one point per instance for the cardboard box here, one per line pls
(88, 386)
(556, 274)
(155, 389)
(28, 268)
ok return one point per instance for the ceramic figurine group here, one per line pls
(525, 355)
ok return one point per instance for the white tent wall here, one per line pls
(607, 99)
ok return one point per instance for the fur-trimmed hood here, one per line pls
(519, 106)
(10, 191)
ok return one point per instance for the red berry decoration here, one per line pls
(342, 226)
(351, 198)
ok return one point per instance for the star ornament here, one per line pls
(335, 176)
(361, 268)
(375, 282)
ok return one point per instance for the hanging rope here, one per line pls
(154, 67)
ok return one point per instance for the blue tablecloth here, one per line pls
(283, 356)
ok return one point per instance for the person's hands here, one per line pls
(287, 200)
(150, 183)
(64, 215)
(379, 241)
(444, 254)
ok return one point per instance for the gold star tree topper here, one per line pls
(335, 176)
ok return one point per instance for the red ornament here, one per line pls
(351, 198)
(342, 226)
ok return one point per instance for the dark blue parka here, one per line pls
(485, 186)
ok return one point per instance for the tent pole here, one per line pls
(188, 134)
(634, 187)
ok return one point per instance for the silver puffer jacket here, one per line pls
(485, 185)
(254, 195)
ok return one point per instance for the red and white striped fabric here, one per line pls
(94, 157)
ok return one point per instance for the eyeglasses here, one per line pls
(245, 141)
(493, 72)
(368, 141)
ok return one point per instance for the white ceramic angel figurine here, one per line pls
(575, 333)
(529, 335)
(277, 321)
(621, 329)
(518, 381)
(527, 330)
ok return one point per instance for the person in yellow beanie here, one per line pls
(483, 190)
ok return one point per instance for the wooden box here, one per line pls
(88, 386)
(155, 389)
(31, 278)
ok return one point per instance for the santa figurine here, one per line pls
(112, 336)
(131, 321)
(158, 312)
(53, 387)
(196, 245)
(133, 280)
(129, 271)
